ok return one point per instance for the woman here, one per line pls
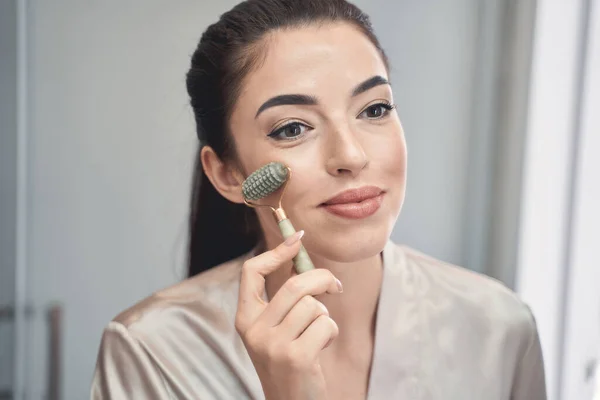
(306, 83)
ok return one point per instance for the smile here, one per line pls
(355, 203)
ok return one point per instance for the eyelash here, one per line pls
(275, 133)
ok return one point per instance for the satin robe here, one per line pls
(442, 333)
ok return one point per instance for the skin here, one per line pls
(344, 142)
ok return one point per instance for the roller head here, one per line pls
(264, 181)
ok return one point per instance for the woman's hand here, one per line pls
(285, 336)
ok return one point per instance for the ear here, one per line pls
(224, 177)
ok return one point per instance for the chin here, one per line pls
(349, 245)
(348, 241)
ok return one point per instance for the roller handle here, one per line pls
(302, 261)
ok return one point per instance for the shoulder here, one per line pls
(186, 327)
(211, 295)
(472, 297)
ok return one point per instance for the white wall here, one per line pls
(582, 310)
(556, 272)
(111, 139)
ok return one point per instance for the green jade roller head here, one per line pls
(265, 181)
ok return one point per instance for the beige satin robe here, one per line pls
(442, 332)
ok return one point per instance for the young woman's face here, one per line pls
(336, 133)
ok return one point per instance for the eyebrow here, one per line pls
(304, 99)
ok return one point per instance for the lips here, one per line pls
(355, 195)
(355, 203)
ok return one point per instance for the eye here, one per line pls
(377, 111)
(289, 131)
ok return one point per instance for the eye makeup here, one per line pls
(294, 129)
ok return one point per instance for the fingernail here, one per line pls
(294, 238)
(339, 285)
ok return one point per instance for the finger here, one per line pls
(319, 334)
(313, 282)
(254, 270)
(301, 316)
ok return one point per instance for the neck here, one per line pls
(354, 310)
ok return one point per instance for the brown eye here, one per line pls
(377, 111)
(290, 131)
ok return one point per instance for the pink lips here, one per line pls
(355, 203)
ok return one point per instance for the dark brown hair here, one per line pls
(228, 50)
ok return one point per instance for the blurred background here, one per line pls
(497, 98)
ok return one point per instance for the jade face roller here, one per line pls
(260, 184)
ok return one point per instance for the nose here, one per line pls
(346, 155)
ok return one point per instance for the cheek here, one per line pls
(390, 156)
(392, 166)
(397, 158)
(302, 180)
(305, 162)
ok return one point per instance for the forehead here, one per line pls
(318, 60)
